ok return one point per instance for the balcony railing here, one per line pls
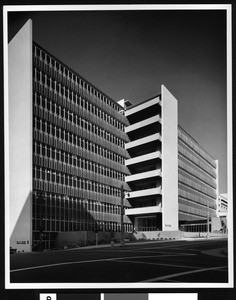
(144, 193)
(151, 138)
(143, 175)
(142, 158)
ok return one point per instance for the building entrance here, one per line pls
(148, 223)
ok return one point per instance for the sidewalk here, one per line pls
(204, 237)
(116, 245)
(133, 243)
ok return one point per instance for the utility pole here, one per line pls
(122, 240)
(40, 220)
(207, 219)
(96, 232)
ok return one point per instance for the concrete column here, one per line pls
(169, 161)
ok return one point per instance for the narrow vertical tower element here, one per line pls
(169, 134)
(144, 164)
(20, 138)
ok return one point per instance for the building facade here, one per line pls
(173, 180)
(73, 150)
(222, 211)
(222, 206)
(198, 182)
(75, 140)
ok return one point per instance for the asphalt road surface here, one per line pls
(173, 261)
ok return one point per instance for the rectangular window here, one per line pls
(38, 51)
(43, 174)
(48, 152)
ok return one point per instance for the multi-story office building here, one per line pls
(71, 149)
(173, 179)
(197, 181)
(66, 149)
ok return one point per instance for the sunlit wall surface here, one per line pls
(20, 139)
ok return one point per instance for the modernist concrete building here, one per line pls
(66, 150)
(71, 149)
(173, 180)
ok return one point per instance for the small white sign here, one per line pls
(48, 297)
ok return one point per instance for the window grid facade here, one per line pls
(197, 177)
(78, 152)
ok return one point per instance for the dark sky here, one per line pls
(129, 54)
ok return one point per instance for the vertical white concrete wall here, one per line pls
(20, 138)
(169, 161)
(217, 188)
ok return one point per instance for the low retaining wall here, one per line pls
(174, 235)
(203, 234)
(158, 235)
(87, 238)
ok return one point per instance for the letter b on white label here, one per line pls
(48, 297)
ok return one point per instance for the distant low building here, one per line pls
(222, 210)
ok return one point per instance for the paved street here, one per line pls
(166, 261)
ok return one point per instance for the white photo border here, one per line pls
(57, 8)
